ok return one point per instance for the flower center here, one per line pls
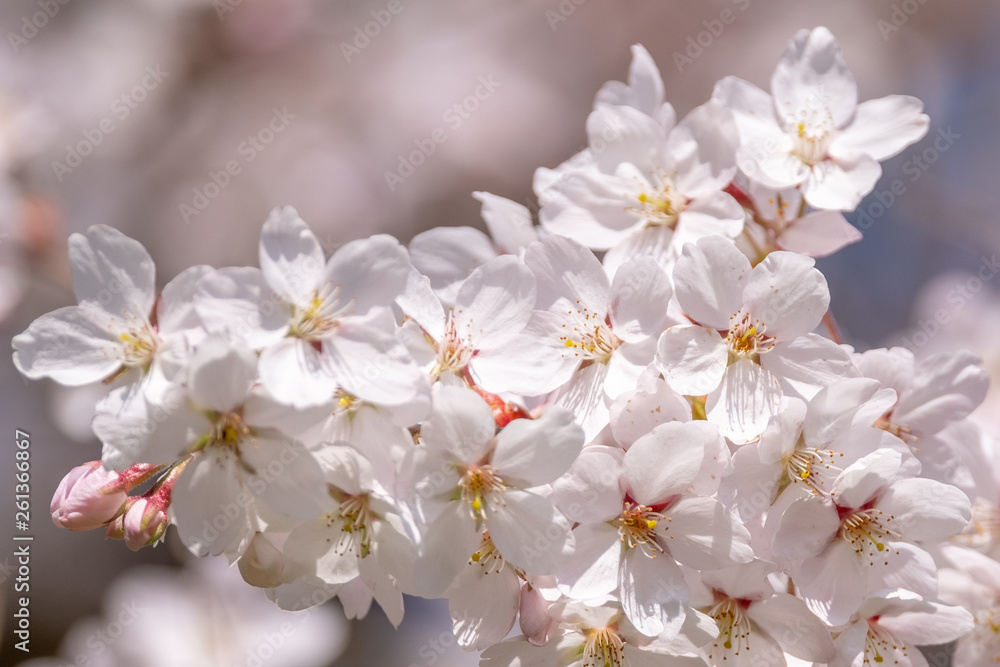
(734, 628)
(478, 484)
(746, 338)
(813, 468)
(319, 316)
(868, 531)
(662, 206)
(637, 527)
(812, 133)
(488, 557)
(229, 430)
(984, 528)
(604, 648)
(901, 431)
(139, 345)
(355, 532)
(592, 340)
(453, 353)
(881, 646)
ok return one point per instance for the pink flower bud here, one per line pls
(87, 497)
(144, 522)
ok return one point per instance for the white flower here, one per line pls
(756, 624)
(591, 337)
(863, 537)
(110, 332)
(468, 478)
(491, 307)
(638, 518)
(362, 535)
(447, 255)
(323, 325)
(751, 340)
(888, 628)
(645, 186)
(813, 133)
(592, 636)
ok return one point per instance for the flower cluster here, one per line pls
(651, 458)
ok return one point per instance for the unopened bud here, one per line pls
(87, 497)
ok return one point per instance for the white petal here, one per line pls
(684, 444)
(863, 479)
(74, 346)
(566, 270)
(644, 90)
(204, 506)
(808, 363)
(461, 424)
(713, 213)
(924, 510)
(787, 294)
(831, 583)
(419, 302)
(529, 532)
(175, 311)
(702, 533)
(692, 359)
(370, 272)
(284, 476)
(636, 413)
(811, 74)
(483, 606)
(589, 206)
(509, 223)
(590, 491)
(841, 184)
(447, 546)
(584, 396)
(806, 528)
(291, 258)
(818, 234)
(753, 109)
(744, 401)
(112, 272)
(447, 255)
(938, 625)
(640, 294)
(495, 302)
(292, 372)
(311, 548)
(221, 374)
(946, 387)
(794, 627)
(702, 148)
(709, 278)
(371, 364)
(883, 127)
(653, 593)
(532, 452)
(593, 569)
(237, 300)
(624, 134)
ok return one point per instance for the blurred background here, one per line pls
(183, 122)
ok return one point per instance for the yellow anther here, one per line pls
(570, 343)
(651, 524)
